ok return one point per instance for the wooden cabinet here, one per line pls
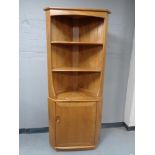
(76, 44)
(72, 120)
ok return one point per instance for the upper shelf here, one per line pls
(74, 43)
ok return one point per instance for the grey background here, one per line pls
(33, 62)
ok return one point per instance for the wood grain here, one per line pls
(78, 58)
(76, 44)
(78, 129)
(79, 9)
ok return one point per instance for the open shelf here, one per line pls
(83, 82)
(76, 58)
(74, 30)
(76, 55)
(75, 69)
(76, 95)
(74, 43)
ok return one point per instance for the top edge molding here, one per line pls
(78, 9)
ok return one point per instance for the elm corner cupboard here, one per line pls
(76, 45)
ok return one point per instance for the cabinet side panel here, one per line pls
(98, 121)
(51, 92)
(51, 120)
(101, 81)
(103, 53)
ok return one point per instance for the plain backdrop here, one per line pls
(33, 58)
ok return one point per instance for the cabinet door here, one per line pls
(75, 123)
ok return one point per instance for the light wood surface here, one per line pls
(51, 91)
(51, 117)
(75, 123)
(86, 29)
(75, 147)
(75, 95)
(75, 69)
(77, 57)
(76, 14)
(73, 81)
(76, 44)
(79, 9)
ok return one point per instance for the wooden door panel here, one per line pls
(75, 123)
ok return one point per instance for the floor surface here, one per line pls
(114, 141)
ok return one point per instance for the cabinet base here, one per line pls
(75, 148)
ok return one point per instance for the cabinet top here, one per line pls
(78, 9)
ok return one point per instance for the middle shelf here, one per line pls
(76, 58)
(75, 69)
(74, 43)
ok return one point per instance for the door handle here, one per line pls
(57, 119)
